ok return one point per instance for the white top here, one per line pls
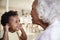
(51, 33)
(12, 36)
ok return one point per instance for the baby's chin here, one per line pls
(17, 29)
(12, 31)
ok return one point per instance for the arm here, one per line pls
(5, 35)
(23, 35)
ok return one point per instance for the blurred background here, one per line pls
(24, 8)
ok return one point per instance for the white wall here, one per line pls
(20, 4)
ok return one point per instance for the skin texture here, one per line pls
(35, 18)
(12, 26)
(14, 23)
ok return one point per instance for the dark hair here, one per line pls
(5, 17)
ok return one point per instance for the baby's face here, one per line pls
(14, 23)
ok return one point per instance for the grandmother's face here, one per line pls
(34, 14)
(35, 18)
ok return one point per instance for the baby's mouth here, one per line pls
(18, 27)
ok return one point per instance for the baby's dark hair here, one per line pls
(5, 17)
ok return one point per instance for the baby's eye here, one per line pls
(19, 20)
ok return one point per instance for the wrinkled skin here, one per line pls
(35, 18)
